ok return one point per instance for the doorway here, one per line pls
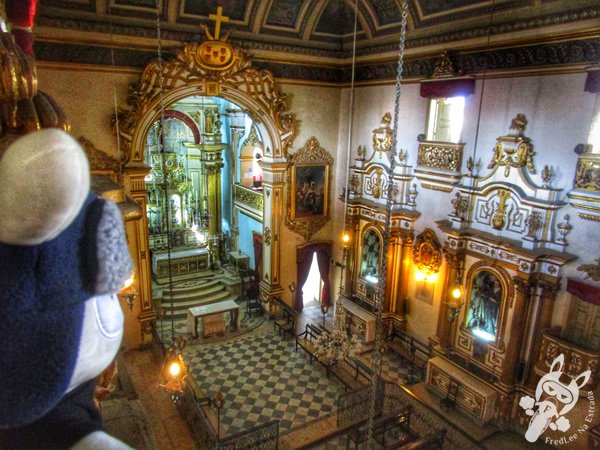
(313, 287)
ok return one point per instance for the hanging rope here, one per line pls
(161, 151)
(351, 119)
(377, 357)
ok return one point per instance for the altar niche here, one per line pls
(197, 155)
(485, 301)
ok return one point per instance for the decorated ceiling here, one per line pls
(323, 29)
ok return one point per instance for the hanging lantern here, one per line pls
(173, 374)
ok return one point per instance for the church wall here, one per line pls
(317, 110)
(559, 114)
(87, 97)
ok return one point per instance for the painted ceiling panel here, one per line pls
(387, 11)
(81, 5)
(284, 13)
(430, 7)
(337, 18)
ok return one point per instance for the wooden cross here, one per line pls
(218, 18)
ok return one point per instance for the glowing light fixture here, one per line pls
(174, 370)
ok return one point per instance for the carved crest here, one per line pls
(427, 252)
(514, 150)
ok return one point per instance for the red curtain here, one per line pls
(304, 256)
(592, 82)
(20, 14)
(257, 241)
(584, 291)
(448, 88)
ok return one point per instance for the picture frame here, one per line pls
(309, 184)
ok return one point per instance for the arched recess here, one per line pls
(194, 72)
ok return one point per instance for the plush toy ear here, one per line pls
(45, 180)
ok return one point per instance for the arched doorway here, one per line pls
(166, 84)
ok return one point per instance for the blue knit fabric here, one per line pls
(42, 292)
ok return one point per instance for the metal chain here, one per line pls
(377, 357)
(161, 152)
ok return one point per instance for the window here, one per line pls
(445, 119)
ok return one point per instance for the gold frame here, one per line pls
(427, 252)
(312, 155)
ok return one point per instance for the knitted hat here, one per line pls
(59, 246)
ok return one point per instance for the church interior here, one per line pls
(368, 223)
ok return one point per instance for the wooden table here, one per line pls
(209, 312)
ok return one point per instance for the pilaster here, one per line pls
(274, 170)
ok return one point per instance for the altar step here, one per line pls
(182, 296)
(207, 287)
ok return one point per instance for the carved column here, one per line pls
(212, 160)
(236, 133)
(273, 182)
(444, 326)
(138, 240)
(394, 274)
(517, 332)
(405, 260)
(543, 321)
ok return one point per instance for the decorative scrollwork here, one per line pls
(440, 156)
(248, 197)
(309, 179)
(427, 252)
(514, 150)
(209, 78)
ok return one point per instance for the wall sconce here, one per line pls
(422, 276)
(128, 293)
(456, 304)
(292, 287)
(174, 372)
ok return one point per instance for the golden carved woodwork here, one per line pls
(444, 67)
(587, 175)
(427, 252)
(208, 78)
(514, 150)
(592, 270)
(248, 197)
(577, 359)
(499, 217)
(440, 155)
(312, 154)
(382, 136)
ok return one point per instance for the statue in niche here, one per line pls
(209, 120)
(486, 296)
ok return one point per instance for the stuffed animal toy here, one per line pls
(63, 257)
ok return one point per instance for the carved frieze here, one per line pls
(440, 155)
(248, 197)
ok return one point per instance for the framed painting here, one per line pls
(309, 178)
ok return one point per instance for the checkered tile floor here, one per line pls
(392, 368)
(262, 378)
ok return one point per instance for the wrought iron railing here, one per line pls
(263, 437)
(353, 408)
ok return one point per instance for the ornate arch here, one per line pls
(191, 73)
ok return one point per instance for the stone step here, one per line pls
(179, 310)
(198, 292)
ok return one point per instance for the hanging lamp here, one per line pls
(338, 345)
(173, 374)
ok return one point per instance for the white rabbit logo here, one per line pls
(550, 395)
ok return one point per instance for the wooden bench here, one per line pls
(382, 425)
(285, 319)
(433, 441)
(406, 347)
(306, 340)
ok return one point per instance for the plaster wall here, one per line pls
(317, 110)
(559, 115)
(88, 99)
